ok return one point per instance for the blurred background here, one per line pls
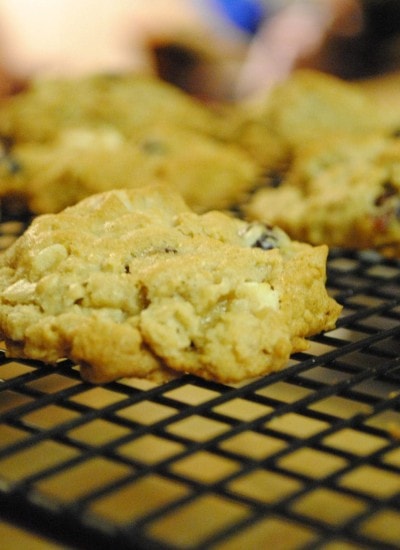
(214, 49)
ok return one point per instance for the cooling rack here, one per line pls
(305, 458)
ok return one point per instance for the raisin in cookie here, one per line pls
(133, 283)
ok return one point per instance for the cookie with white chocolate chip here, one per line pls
(64, 139)
(48, 177)
(133, 283)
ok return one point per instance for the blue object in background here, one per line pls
(247, 15)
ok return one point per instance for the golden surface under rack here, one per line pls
(305, 458)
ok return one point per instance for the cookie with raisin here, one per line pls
(133, 283)
(344, 192)
(48, 177)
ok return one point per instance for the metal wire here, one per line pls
(299, 459)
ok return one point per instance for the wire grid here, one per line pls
(308, 457)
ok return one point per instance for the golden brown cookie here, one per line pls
(126, 102)
(48, 177)
(343, 191)
(133, 283)
(310, 104)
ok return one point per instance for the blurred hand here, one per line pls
(295, 37)
(183, 41)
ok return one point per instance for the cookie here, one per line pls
(133, 283)
(125, 102)
(343, 191)
(48, 177)
(310, 104)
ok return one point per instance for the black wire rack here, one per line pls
(308, 457)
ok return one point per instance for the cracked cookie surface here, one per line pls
(134, 283)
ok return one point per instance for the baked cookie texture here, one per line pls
(133, 283)
(344, 192)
